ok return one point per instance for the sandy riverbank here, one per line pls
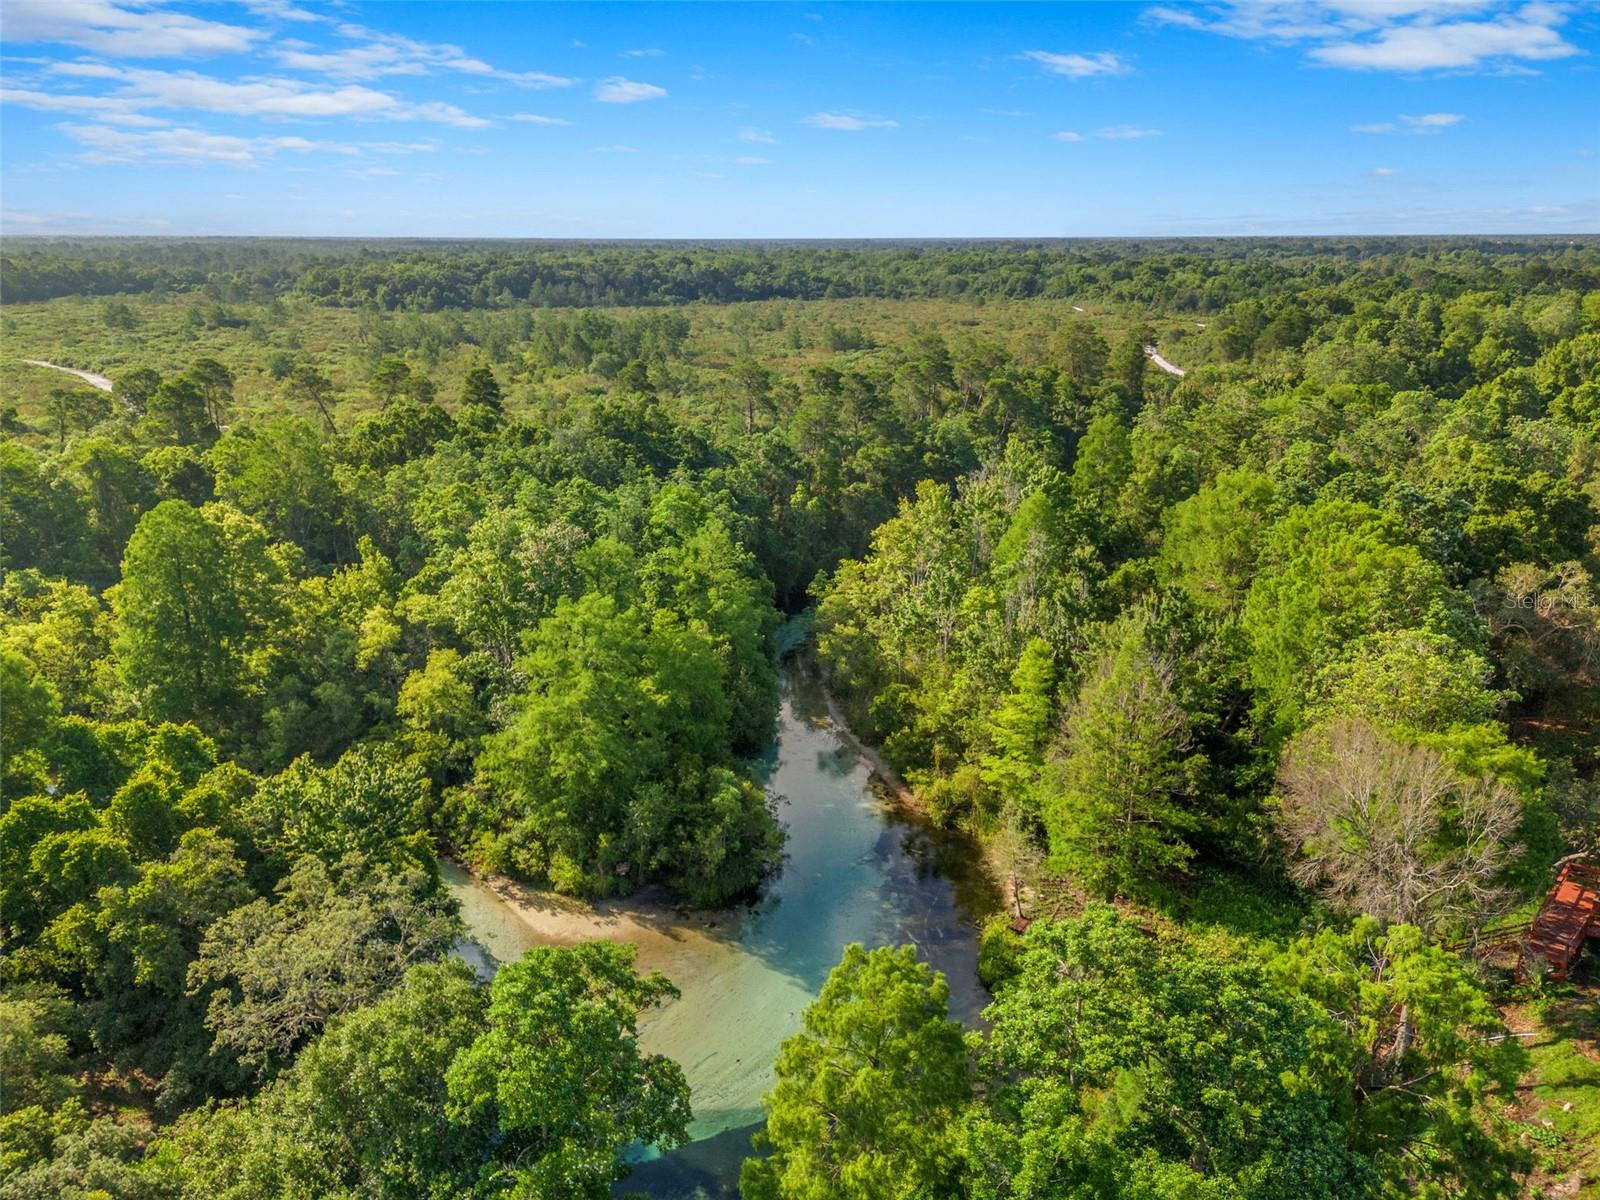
(660, 927)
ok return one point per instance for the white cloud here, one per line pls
(258, 97)
(650, 53)
(444, 114)
(182, 145)
(1426, 123)
(142, 88)
(1454, 45)
(1392, 35)
(281, 10)
(1111, 133)
(538, 119)
(1079, 66)
(77, 222)
(537, 80)
(85, 69)
(618, 90)
(105, 27)
(752, 160)
(1297, 20)
(1433, 120)
(391, 54)
(1383, 172)
(427, 147)
(356, 62)
(848, 122)
(104, 108)
(757, 137)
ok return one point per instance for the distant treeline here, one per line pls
(1190, 275)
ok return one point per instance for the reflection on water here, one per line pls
(855, 870)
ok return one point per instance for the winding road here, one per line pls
(1153, 356)
(89, 377)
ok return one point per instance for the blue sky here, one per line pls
(798, 120)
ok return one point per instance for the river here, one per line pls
(856, 869)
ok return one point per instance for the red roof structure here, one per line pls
(1570, 913)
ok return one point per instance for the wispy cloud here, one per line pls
(1079, 66)
(1426, 123)
(105, 144)
(1111, 133)
(108, 145)
(651, 52)
(538, 119)
(848, 122)
(281, 10)
(757, 137)
(1384, 172)
(378, 54)
(427, 147)
(74, 222)
(752, 160)
(140, 89)
(114, 109)
(618, 90)
(124, 30)
(1392, 35)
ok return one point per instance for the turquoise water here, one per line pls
(855, 870)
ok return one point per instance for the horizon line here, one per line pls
(792, 239)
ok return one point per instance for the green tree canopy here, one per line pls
(1119, 792)
(558, 1075)
(1332, 572)
(869, 1091)
(1123, 1066)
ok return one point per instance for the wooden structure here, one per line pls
(1570, 913)
(1554, 938)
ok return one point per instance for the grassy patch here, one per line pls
(1244, 904)
(252, 338)
(1559, 1105)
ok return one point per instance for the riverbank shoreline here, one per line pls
(884, 778)
(652, 915)
(647, 918)
(895, 791)
(860, 865)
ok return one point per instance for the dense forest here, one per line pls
(1267, 688)
(419, 275)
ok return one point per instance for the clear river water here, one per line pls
(856, 869)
